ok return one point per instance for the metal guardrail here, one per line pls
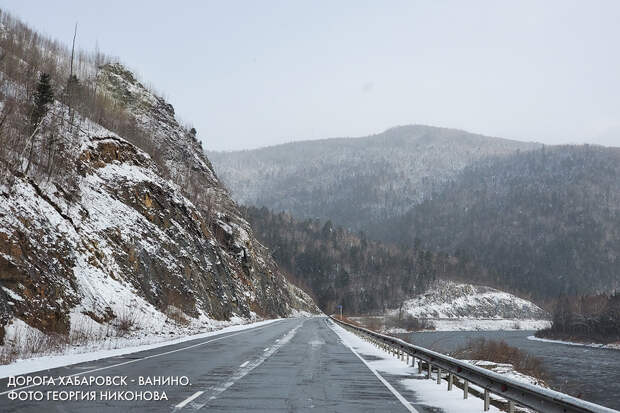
(516, 392)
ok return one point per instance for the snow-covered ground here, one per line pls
(473, 324)
(461, 324)
(614, 346)
(413, 390)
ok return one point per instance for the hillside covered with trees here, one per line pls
(594, 318)
(547, 222)
(341, 267)
(382, 175)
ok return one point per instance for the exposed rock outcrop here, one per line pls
(128, 229)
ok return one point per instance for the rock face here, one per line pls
(127, 230)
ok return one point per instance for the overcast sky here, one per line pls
(255, 73)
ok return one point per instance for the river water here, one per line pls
(592, 372)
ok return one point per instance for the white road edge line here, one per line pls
(189, 399)
(151, 356)
(244, 364)
(395, 392)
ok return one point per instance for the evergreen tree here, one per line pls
(42, 98)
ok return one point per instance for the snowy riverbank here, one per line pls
(612, 346)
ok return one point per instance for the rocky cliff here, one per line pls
(140, 227)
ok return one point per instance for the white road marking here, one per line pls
(151, 356)
(189, 399)
(245, 364)
(395, 392)
(244, 370)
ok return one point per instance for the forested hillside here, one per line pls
(547, 222)
(341, 267)
(355, 181)
(594, 318)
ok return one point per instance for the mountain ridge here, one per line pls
(382, 174)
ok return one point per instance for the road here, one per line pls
(290, 365)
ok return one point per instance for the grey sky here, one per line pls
(255, 73)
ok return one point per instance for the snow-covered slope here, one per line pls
(126, 241)
(448, 299)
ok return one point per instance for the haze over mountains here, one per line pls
(109, 203)
(543, 221)
(355, 181)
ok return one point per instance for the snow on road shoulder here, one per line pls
(418, 391)
(32, 365)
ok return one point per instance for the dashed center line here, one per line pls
(189, 399)
(214, 392)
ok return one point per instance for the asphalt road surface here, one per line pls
(292, 365)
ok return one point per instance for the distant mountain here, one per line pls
(547, 222)
(354, 181)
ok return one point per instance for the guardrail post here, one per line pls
(438, 375)
(465, 389)
(486, 400)
(511, 406)
(450, 380)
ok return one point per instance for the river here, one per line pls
(592, 372)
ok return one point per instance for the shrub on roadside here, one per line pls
(408, 323)
(500, 352)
